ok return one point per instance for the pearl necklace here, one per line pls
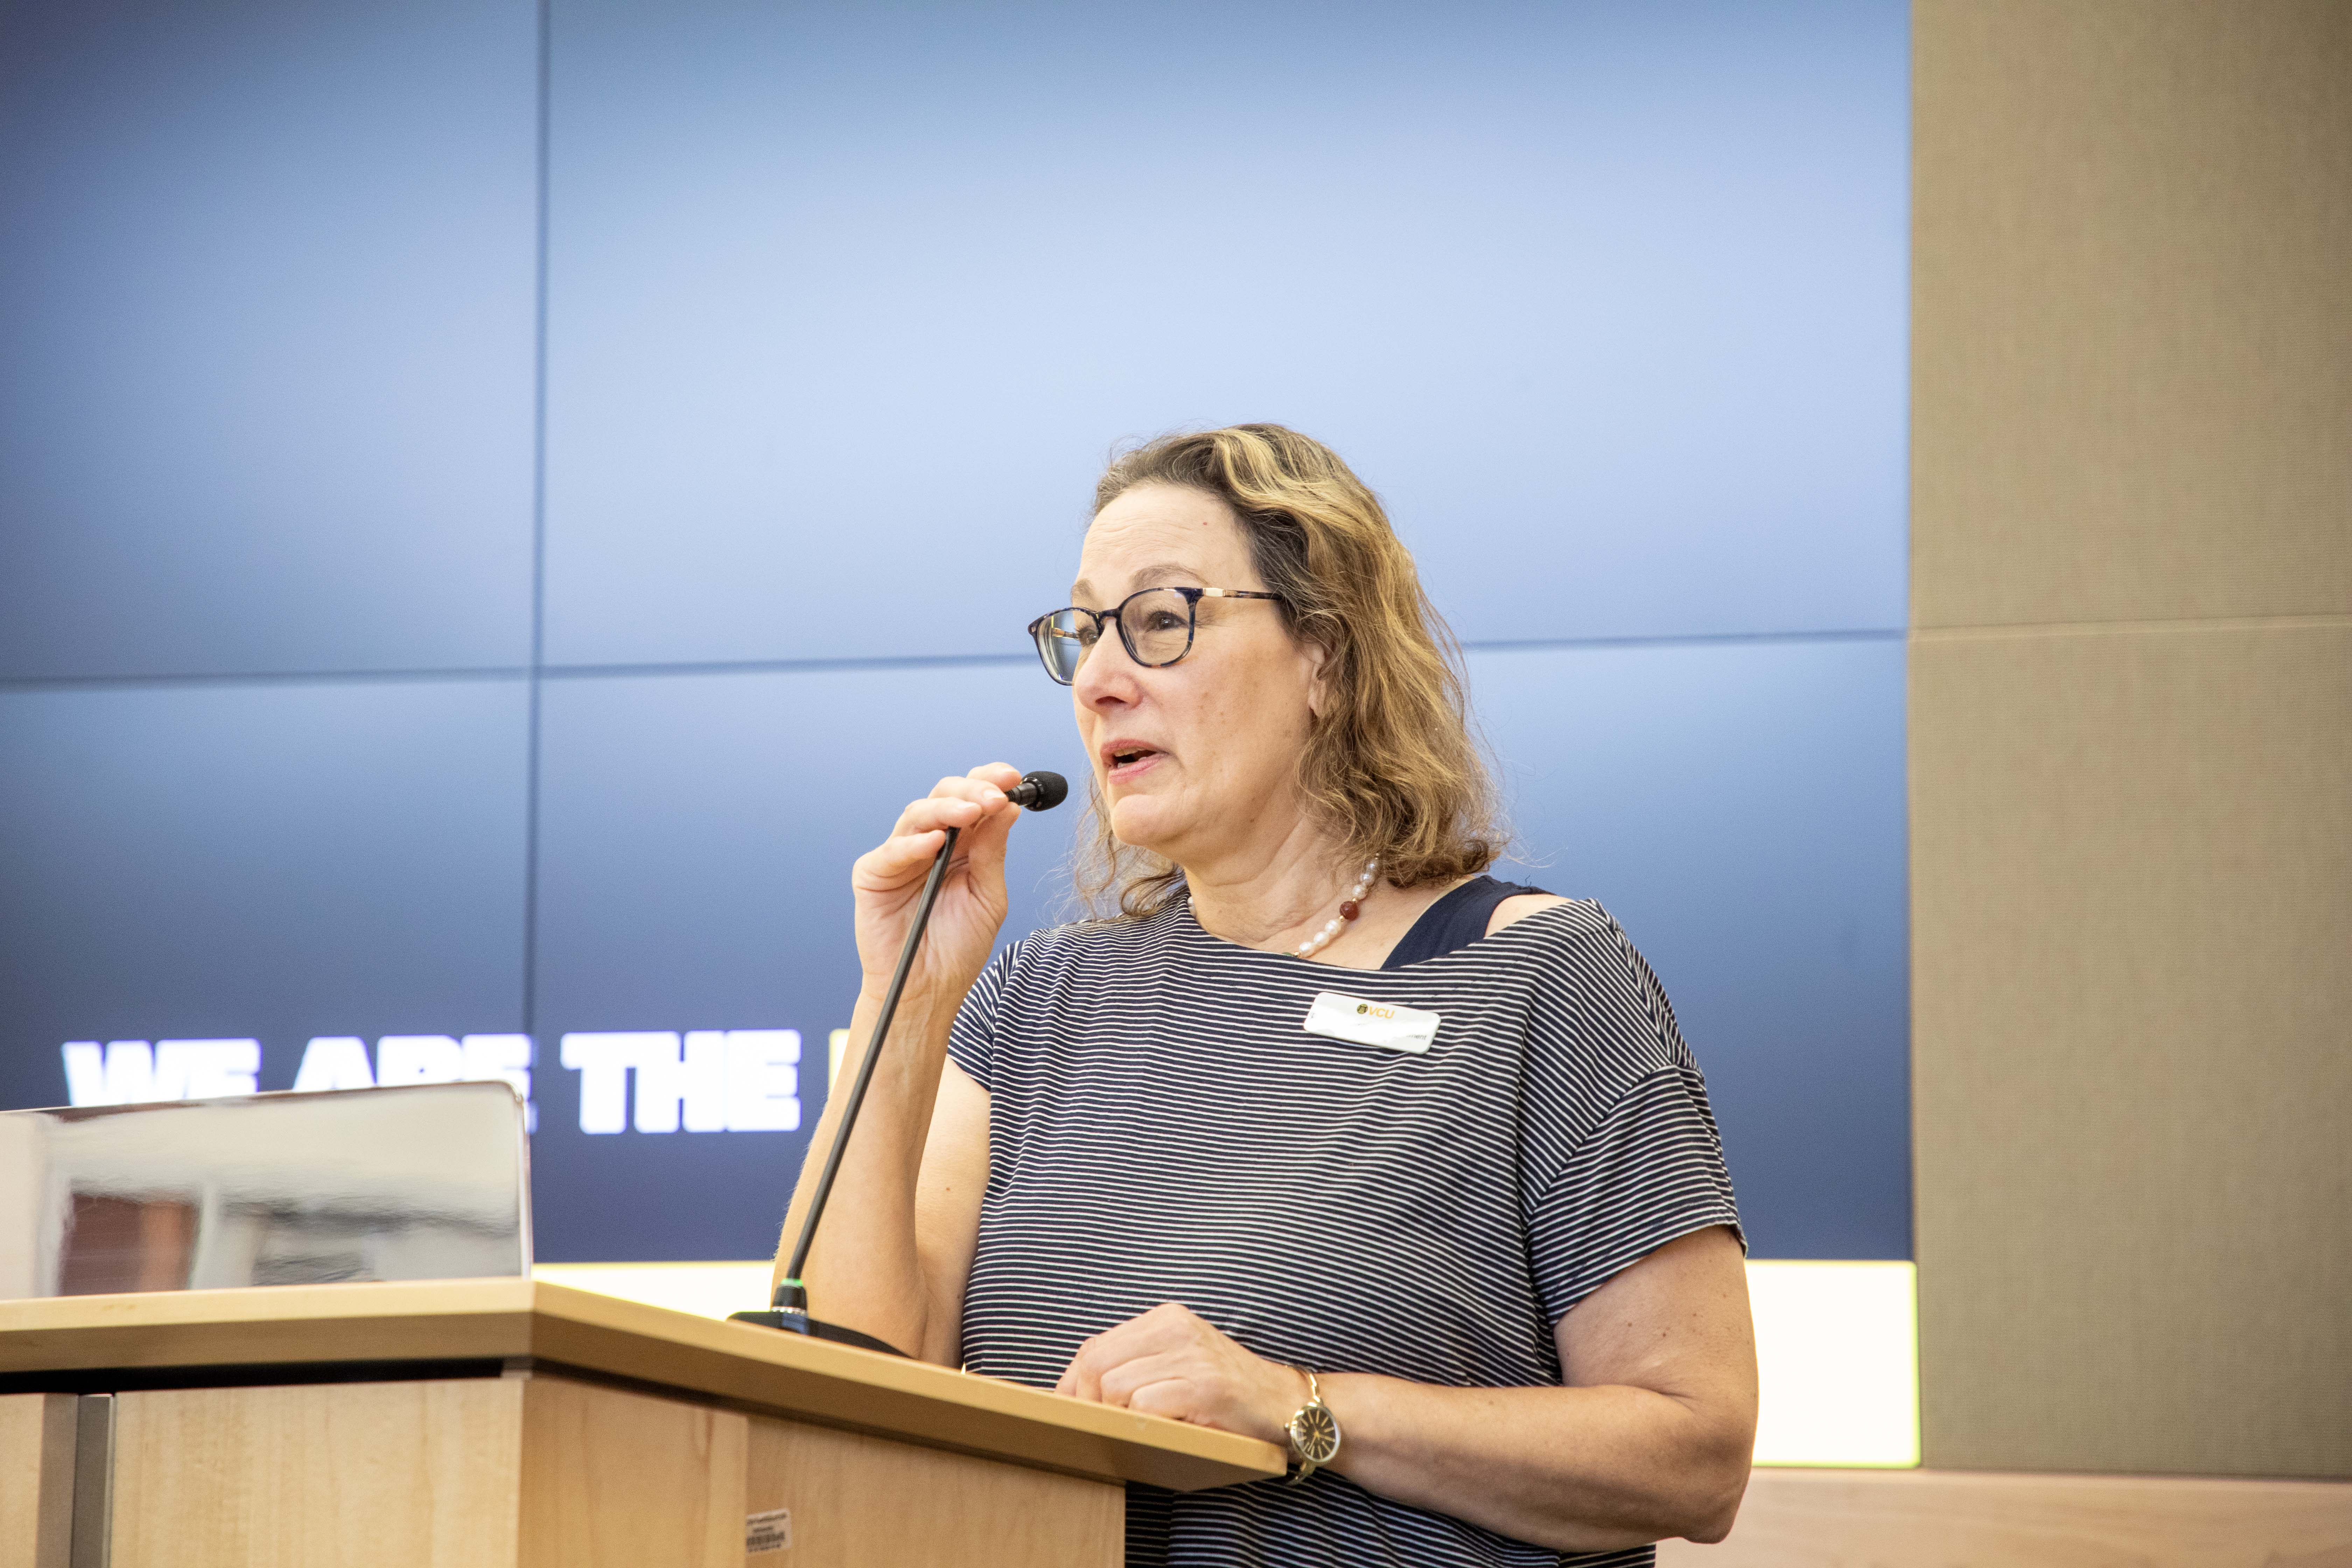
(1350, 908)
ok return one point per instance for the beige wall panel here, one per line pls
(37, 1468)
(2131, 309)
(1924, 1519)
(870, 1503)
(364, 1475)
(2132, 1046)
(616, 1480)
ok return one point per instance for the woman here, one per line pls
(1138, 1160)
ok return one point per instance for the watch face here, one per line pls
(1316, 1433)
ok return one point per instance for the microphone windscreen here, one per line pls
(1042, 791)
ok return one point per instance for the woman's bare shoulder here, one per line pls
(1518, 907)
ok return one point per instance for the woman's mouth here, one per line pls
(1126, 759)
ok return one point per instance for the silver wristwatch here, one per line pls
(1313, 1432)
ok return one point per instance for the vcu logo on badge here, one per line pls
(1364, 1023)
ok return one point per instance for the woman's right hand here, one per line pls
(887, 883)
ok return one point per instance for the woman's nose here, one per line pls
(1105, 674)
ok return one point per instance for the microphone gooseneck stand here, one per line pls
(789, 1311)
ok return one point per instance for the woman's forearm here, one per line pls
(1577, 1469)
(865, 1269)
(1652, 1442)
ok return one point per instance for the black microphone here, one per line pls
(1040, 791)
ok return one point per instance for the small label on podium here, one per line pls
(769, 1532)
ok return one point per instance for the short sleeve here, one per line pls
(971, 1038)
(1627, 1155)
(1650, 1171)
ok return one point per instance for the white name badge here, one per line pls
(1338, 1017)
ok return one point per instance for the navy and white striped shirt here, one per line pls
(1161, 1128)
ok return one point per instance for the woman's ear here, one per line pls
(1318, 685)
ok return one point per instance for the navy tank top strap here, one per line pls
(1458, 920)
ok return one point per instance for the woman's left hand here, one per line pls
(1170, 1362)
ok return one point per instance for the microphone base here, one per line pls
(793, 1322)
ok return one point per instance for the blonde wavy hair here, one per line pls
(1389, 768)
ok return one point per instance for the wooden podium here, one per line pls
(507, 1424)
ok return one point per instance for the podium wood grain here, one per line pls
(616, 1480)
(372, 1427)
(37, 1448)
(370, 1474)
(758, 1371)
(539, 1472)
(856, 1500)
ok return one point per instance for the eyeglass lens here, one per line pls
(1157, 625)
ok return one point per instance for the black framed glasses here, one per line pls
(1156, 625)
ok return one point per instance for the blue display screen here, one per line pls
(498, 509)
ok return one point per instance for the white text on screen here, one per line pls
(702, 1080)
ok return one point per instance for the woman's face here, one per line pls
(1198, 759)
